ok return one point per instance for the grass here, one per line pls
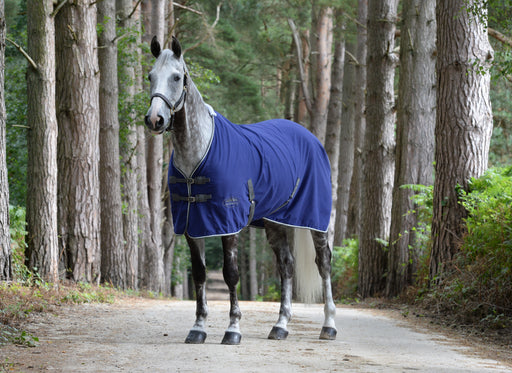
(19, 301)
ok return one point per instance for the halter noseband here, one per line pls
(171, 106)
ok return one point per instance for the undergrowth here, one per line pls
(477, 287)
(345, 269)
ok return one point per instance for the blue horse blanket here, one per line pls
(273, 170)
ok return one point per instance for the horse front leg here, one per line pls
(323, 262)
(232, 336)
(278, 239)
(198, 334)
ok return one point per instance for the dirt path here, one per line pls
(147, 336)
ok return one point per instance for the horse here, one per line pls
(223, 177)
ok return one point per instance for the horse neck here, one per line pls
(193, 130)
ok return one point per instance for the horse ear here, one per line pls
(155, 47)
(176, 47)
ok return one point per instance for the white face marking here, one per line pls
(166, 78)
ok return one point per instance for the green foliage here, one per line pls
(12, 335)
(181, 260)
(16, 102)
(423, 205)
(17, 228)
(478, 285)
(345, 268)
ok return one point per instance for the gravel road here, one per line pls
(140, 335)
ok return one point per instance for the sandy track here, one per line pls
(147, 336)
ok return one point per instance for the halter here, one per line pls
(176, 104)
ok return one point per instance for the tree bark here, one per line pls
(42, 250)
(154, 255)
(333, 128)
(324, 36)
(113, 262)
(127, 57)
(253, 273)
(346, 152)
(415, 136)
(354, 208)
(378, 161)
(5, 239)
(463, 122)
(78, 142)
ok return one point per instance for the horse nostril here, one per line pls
(160, 121)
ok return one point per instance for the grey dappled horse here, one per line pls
(177, 106)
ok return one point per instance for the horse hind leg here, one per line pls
(278, 240)
(198, 334)
(232, 336)
(323, 262)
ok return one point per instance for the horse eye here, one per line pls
(177, 78)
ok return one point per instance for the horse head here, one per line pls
(168, 86)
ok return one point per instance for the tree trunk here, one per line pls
(78, 143)
(346, 153)
(463, 122)
(378, 162)
(168, 237)
(324, 35)
(5, 239)
(253, 273)
(127, 56)
(415, 136)
(333, 129)
(142, 182)
(154, 256)
(113, 263)
(354, 208)
(302, 105)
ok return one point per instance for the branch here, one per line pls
(499, 36)
(187, 8)
(134, 9)
(352, 57)
(303, 82)
(25, 54)
(59, 6)
(208, 32)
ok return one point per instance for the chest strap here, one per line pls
(199, 180)
(192, 199)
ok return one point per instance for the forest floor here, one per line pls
(147, 335)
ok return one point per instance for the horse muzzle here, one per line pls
(155, 124)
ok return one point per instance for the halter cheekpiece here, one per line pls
(171, 106)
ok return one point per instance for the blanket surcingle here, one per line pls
(274, 170)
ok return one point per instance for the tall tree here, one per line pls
(113, 266)
(346, 148)
(333, 125)
(5, 240)
(42, 251)
(154, 272)
(378, 150)
(354, 208)
(253, 273)
(463, 120)
(168, 236)
(78, 142)
(127, 80)
(323, 42)
(415, 135)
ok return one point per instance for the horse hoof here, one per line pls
(278, 333)
(328, 333)
(231, 338)
(195, 337)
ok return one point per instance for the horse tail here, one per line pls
(308, 282)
